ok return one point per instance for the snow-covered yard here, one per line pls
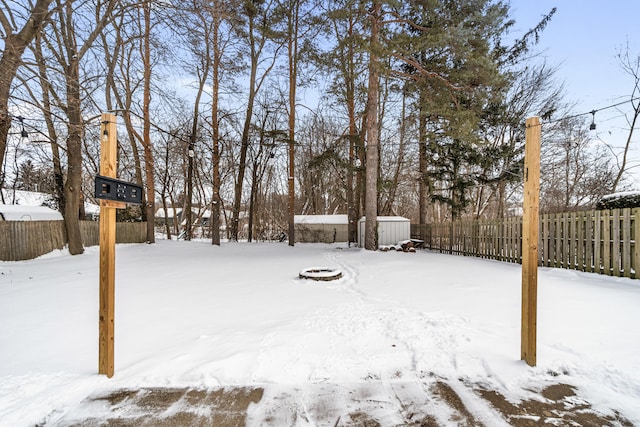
(189, 314)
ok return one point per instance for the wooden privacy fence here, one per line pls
(21, 240)
(594, 241)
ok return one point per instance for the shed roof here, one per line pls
(389, 219)
(29, 213)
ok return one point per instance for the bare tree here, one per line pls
(533, 91)
(574, 172)
(15, 43)
(631, 66)
(123, 50)
(293, 58)
(348, 87)
(258, 17)
(70, 40)
(219, 11)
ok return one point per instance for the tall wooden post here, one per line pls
(108, 150)
(530, 221)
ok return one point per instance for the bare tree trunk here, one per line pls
(58, 175)
(188, 203)
(235, 218)
(388, 208)
(252, 199)
(632, 126)
(215, 131)
(360, 190)
(165, 194)
(422, 173)
(256, 45)
(73, 183)
(14, 46)
(293, 74)
(371, 206)
(146, 132)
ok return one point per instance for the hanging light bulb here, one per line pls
(24, 135)
(592, 126)
(105, 136)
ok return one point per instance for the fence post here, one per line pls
(530, 224)
(635, 263)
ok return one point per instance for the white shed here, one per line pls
(391, 230)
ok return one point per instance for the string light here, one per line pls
(592, 126)
(24, 135)
(593, 112)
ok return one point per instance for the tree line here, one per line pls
(247, 112)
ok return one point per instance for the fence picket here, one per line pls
(589, 242)
(626, 242)
(597, 242)
(636, 247)
(615, 243)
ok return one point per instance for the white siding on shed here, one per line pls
(391, 230)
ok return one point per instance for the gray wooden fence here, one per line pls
(594, 241)
(21, 240)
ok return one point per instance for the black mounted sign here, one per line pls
(121, 191)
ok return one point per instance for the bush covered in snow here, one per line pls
(627, 199)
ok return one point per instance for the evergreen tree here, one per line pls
(453, 54)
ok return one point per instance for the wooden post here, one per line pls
(108, 150)
(530, 224)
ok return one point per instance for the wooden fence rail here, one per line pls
(21, 240)
(601, 242)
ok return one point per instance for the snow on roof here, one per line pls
(29, 213)
(620, 194)
(28, 198)
(92, 209)
(388, 219)
(160, 212)
(320, 219)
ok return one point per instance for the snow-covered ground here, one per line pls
(189, 314)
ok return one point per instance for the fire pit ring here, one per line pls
(321, 274)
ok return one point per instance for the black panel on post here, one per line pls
(115, 189)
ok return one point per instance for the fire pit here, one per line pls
(321, 273)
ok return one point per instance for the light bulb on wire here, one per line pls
(24, 135)
(592, 126)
